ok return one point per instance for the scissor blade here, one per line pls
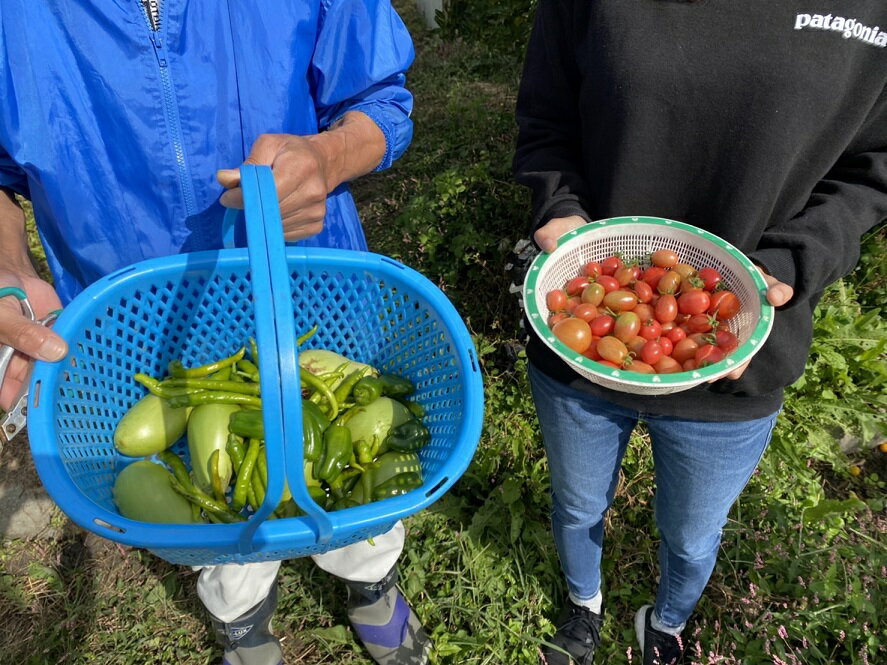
(14, 421)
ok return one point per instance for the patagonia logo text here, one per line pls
(848, 27)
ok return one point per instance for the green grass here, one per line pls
(804, 555)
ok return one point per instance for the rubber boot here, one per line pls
(385, 623)
(248, 640)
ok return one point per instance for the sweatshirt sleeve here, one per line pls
(821, 243)
(363, 51)
(548, 156)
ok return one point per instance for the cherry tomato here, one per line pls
(612, 349)
(708, 354)
(607, 363)
(640, 367)
(689, 364)
(635, 344)
(667, 346)
(652, 275)
(693, 302)
(670, 282)
(602, 325)
(727, 341)
(585, 311)
(608, 282)
(663, 258)
(591, 352)
(644, 311)
(575, 286)
(668, 365)
(624, 275)
(685, 270)
(557, 316)
(724, 305)
(684, 350)
(620, 301)
(710, 278)
(675, 335)
(668, 326)
(652, 352)
(592, 269)
(556, 300)
(572, 303)
(627, 326)
(650, 329)
(573, 332)
(643, 290)
(699, 323)
(611, 264)
(593, 294)
(666, 308)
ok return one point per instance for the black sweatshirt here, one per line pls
(764, 122)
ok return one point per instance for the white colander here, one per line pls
(636, 238)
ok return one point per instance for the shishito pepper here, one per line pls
(408, 437)
(179, 371)
(396, 386)
(336, 454)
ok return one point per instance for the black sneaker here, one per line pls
(578, 633)
(657, 648)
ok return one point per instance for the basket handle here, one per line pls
(276, 339)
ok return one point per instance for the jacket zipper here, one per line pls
(171, 109)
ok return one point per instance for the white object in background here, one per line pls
(428, 8)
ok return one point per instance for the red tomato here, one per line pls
(666, 327)
(575, 286)
(650, 329)
(710, 278)
(612, 349)
(644, 311)
(556, 300)
(689, 364)
(667, 346)
(593, 294)
(635, 344)
(602, 325)
(624, 275)
(668, 365)
(573, 332)
(663, 258)
(611, 264)
(699, 323)
(675, 335)
(666, 308)
(670, 282)
(724, 305)
(652, 275)
(627, 326)
(709, 354)
(608, 282)
(557, 316)
(644, 291)
(620, 301)
(693, 302)
(607, 363)
(684, 350)
(592, 269)
(700, 338)
(585, 311)
(727, 341)
(640, 367)
(652, 352)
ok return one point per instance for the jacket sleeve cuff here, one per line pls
(397, 128)
(778, 263)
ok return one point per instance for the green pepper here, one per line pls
(397, 485)
(157, 388)
(343, 503)
(407, 437)
(247, 424)
(396, 386)
(215, 397)
(244, 478)
(387, 466)
(180, 471)
(317, 386)
(337, 452)
(314, 422)
(343, 391)
(317, 493)
(308, 335)
(367, 390)
(415, 408)
(248, 369)
(179, 371)
(213, 385)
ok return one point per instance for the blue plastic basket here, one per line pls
(200, 307)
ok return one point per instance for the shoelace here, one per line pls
(581, 626)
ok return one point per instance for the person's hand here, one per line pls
(546, 236)
(300, 172)
(778, 294)
(29, 338)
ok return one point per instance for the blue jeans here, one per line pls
(701, 467)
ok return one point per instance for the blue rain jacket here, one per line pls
(115, 131)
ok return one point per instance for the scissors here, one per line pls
(14, 421)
